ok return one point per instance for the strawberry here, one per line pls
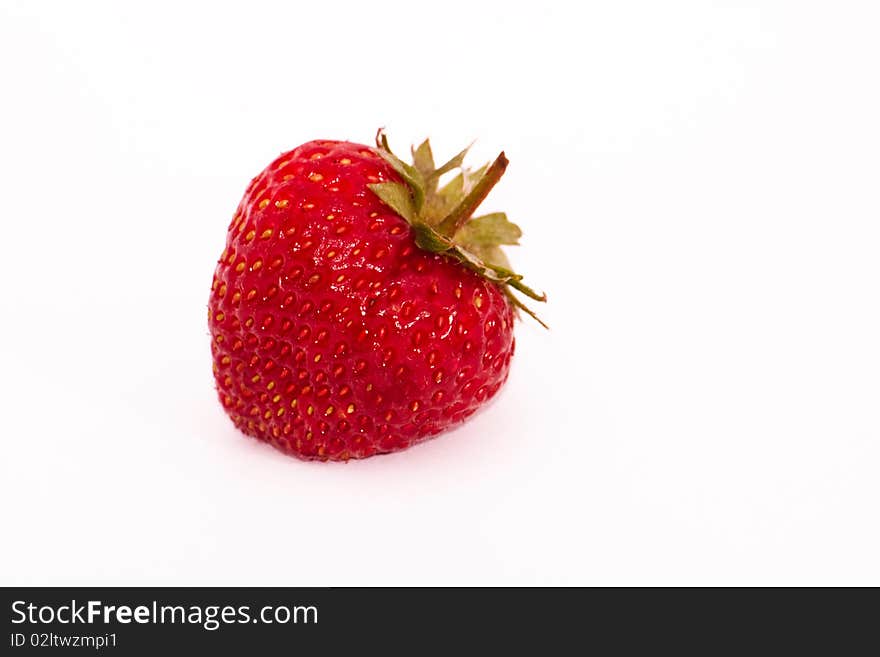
(358, 308)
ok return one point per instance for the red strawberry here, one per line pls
(357, 309)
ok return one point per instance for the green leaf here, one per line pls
(409, 173)
(430, 240)
(396, 196)
(423, 158)
(472, 177)
(489, 230)
(441, 203)
(454, 189)
(493, 255)
(521, 306)
(454, 163)
(515, 281)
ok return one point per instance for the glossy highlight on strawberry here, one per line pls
(333, 334)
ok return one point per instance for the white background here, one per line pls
(698, 185)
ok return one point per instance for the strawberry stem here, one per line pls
(440, 217)
(463, 211)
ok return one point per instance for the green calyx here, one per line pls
(442, 217)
